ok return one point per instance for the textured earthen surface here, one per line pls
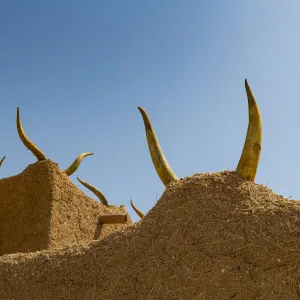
(210, 236)
(42, 209)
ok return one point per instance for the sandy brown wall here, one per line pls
(74, 215)
(210, 236)
(42, 209)
(25, 210)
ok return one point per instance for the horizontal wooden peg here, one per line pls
(113, 219)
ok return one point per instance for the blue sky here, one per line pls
(79, 69)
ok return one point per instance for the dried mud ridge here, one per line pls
(210, 236)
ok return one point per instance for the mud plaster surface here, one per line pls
(210, 236)
(42, 209)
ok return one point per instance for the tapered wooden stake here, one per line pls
(113, 219)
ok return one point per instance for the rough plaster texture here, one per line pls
(42, 209)
(210, 236)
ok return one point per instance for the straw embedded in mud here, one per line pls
(215, 235)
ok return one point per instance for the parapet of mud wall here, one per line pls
(42, 209)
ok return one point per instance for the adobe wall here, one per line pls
(42, 209)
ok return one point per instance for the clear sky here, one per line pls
(79, 69)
